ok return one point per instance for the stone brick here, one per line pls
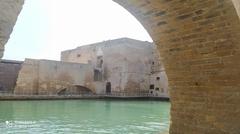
(199, 42)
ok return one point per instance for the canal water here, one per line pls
(84, 117)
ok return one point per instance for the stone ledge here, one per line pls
(77, 97)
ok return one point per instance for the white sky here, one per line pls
(47, 27)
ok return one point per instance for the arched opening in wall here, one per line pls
(75, 90)
(120, 67)
(183, 32)
(54, 26)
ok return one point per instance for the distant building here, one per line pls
(123, 67)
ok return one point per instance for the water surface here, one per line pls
(84, 117)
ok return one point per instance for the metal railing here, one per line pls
(84, 95)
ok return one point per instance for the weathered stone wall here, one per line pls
(8, 75)
(199, 42)
(158, 77)
(44, 77)
(160, 84)
(127, 64)
(9, 10)
(27, 82)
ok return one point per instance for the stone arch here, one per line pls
(199, 41)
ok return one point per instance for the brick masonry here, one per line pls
(199, 41)
(46, 77)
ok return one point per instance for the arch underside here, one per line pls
(199, 44)
(198, 41)
(9, 10)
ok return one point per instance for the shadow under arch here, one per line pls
(199, 43)
(75, 90)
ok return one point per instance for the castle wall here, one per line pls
(45, 77)
(8, 75)
(127, 64)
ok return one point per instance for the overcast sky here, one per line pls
(47, 27)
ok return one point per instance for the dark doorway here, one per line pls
(108, 88)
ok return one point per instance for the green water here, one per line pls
(84, 117)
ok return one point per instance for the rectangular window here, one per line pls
(151, 86)
(97, 75)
